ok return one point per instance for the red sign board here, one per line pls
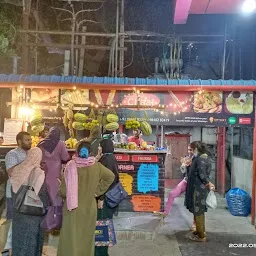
(122, 158)
(243, 120)
(145, 159)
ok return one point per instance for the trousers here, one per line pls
(176, 192)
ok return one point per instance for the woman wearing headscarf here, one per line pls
(198, 187)
(55, 153)
(27, 235)
(84, 179)
(94, 139)
(107, 158)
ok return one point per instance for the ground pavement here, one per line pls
(145, 235)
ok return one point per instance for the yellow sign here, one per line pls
(126, 181)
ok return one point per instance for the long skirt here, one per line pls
(27, 235)
(105, 213)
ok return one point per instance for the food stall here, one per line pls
(158, 102)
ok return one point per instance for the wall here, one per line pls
(242, 174)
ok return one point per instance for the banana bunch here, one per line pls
(68, 120)
(35, 141)
(71, 143)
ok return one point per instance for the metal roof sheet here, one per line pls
(4, 78)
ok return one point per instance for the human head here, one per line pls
(43, 134)
(107, 135)
(107, 146)
(34, 156)
(190, 151)
(199, 148)
(24, 140)
(54, 133)
(83, 149)
(1, 140)
(136, 132)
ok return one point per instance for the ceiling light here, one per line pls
(249, 6)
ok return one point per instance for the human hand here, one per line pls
(100, 204)
(211, 186)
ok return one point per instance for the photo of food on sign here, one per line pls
(239, 102)
(207, 102)
(178, 101)
(45, 95)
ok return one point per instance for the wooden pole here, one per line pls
(82, 53)
(121, 60)
(117, 36)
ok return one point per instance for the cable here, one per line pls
(144, 60)
(132, 54)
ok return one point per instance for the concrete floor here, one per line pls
(146, 235)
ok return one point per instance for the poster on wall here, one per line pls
(11, 128)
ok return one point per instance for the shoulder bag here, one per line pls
(26, 202)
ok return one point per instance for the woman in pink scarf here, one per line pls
(27, 235)
(84, 180)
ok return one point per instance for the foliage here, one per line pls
(7, 34)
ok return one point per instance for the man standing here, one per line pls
(137, 137)
(13, 158)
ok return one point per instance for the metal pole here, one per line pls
(223, 67)
(117, 35)
(162, 136)
(231, 156)
(121, 62)
(253, 175)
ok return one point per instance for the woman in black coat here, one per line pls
(107, 158)
(198, 187)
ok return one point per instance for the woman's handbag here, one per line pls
(105, 233)
(53, 218)
(115, 195)
(27, 202)
(211, 200)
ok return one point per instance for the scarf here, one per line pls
(71, 179)
(51, 141)
(29, 172)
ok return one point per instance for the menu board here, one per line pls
(11, 128)
(148, 178)
(146, 203)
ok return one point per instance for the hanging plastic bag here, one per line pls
(211, 200)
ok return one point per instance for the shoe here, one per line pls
(196, 238)
(193, 228)
(6, 253)
(161, 214)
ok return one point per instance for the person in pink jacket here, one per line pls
(181, 187)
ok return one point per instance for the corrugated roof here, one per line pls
(116, 80)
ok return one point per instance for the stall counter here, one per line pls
(142, 174)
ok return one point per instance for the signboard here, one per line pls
(122, 157)
(201, 108)
(11, 128)
(148, 176)
(146, 203)
(145, 158)
(126, 181)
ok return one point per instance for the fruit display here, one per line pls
(111, 118)
(71, 143)
(90, 125)
(132, 124)
(36, 123)
(82, 118)
(146, 128)
(78, 126)
(121, 145)
(132, 146)
(68, 121)
(37, 128)
(111, 126)
(35, 141)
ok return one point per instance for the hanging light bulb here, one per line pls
(249, 6)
